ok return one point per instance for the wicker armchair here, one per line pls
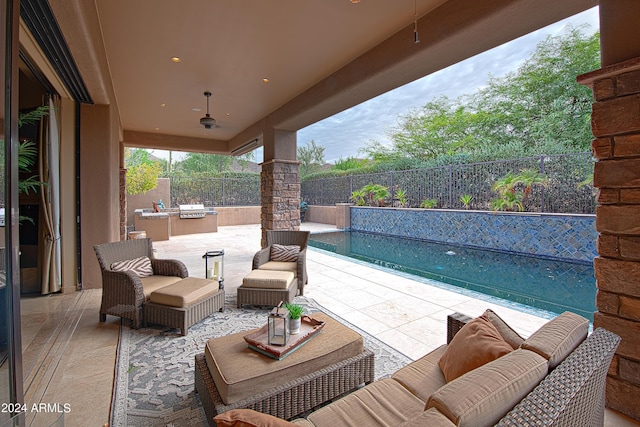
(285, 237)
(122, 291)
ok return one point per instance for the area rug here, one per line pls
(155, 366)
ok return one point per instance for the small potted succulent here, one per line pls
(295, 313)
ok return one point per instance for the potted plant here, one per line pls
(304, 207)
(295, 313)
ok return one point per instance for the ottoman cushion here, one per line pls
(240, 372)
(267, 279)
(185, 292)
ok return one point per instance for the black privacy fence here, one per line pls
(208, 191)
(568, 187)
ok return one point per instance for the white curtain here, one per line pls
(49, 162)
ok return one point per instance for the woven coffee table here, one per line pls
(230, 375)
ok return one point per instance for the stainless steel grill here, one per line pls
(191, 211)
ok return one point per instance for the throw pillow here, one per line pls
(141, 266)
(249, 418)
(509, 335)
(477, 343)
(284, 253)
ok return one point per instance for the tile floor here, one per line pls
(69, 356)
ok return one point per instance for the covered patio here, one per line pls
(113, 96)
(406, 313)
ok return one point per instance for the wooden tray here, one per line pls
(258, 339)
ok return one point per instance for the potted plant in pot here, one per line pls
(295, 313)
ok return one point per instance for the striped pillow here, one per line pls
(141, 266)
(284, 253)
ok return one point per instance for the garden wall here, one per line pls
(569, 237)
(321, 214)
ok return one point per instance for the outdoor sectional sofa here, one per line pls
(556, 377)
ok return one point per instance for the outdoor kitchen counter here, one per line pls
(160, 225)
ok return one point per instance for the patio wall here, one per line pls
(570, 237)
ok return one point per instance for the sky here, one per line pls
(343, 134)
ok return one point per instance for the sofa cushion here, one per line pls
(558, 337)
(423, 376)
(483, 396)
(249, 418)
(381, 403)
(141, 266)
(284, 253)
(429, 418)
(509, 335)
(477, 343)
(302, 422)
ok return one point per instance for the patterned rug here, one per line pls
(155, 366)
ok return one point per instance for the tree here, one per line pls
(245, 159)
(311, 157)
(200, 163)
(142, 172)
(541, 104)
(537, 109)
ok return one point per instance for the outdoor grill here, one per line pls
(191, 211)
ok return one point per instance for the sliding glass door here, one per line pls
(11, 388)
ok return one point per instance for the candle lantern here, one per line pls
(214, 266)
(279, 326)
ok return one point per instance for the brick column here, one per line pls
(279, 196)
(615, 123)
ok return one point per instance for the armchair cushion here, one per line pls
(280, 266)
(287, 253)
(141, 266)
(477, 343)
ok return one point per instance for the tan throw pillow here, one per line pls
(477, 343)
(284, 253)
(249, 418)
(509, 335)
(141, 266)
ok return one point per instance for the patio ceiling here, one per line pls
(320, 56)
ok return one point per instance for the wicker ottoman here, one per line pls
(183, 303)
(267, 287)
(230, 375)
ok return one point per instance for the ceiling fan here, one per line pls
(207, 121)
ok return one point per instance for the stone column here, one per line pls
(279, 183)
(616, 126)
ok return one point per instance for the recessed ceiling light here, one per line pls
(228, 114)
(163, 105)
(265, 80)
(157, 128)
(196, 109)
(176, 59)
(355, 1)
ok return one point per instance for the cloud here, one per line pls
(345, 133)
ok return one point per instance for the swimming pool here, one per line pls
(546, 284)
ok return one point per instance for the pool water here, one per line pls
(546, 284)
